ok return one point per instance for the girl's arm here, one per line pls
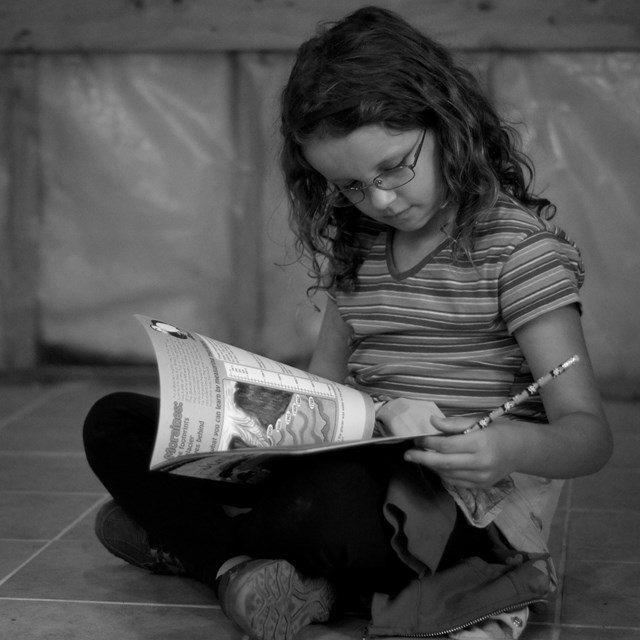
(330, 356)
(577, 440)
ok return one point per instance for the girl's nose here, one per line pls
(381, 198)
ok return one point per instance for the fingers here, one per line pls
(462, 459)
(439, 462)
(451, 426)
(449, 444)
(459, 469)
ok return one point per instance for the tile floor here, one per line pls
(58, 583)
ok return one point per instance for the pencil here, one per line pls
(531, 390)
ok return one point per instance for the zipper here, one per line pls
(367, 636)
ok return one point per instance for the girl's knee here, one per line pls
(102, 413)
(119, 414)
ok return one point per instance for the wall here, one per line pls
(139, 166)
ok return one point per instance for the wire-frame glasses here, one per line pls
(386, 180)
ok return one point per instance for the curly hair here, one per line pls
(374, 68)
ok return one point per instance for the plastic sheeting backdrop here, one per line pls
(162, 196)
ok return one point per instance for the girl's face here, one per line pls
(358, 158)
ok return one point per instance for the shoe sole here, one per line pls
(273, 601)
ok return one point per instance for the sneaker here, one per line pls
(126, 539)
(270, 600)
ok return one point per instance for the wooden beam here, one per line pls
(130, 26)
(20, 221)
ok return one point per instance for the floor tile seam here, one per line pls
(592, 561)
(33, 540)
(562, 562)
(50, 542)
(34, 492)
(37, 402)
(609, 627)
(42, 545)
(603, 511)
(630, 510)
(173, 605)
(39, 453)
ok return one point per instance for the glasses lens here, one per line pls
(386, 181)
(394, 178)
(340, 198)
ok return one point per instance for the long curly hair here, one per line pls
(374, 68)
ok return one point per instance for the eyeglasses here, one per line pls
(387, 181)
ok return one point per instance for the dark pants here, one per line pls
(322, 513)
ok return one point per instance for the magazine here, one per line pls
(226, 412)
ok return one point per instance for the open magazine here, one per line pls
(225, 412)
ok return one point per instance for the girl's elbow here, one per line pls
(602, 448)
(606, 450)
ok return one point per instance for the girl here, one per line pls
(446, 281)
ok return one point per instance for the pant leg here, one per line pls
(180, 513)
(323, 513)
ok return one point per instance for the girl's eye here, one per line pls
(356, 184)
(350, 185)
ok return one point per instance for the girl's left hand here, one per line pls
(473, 460)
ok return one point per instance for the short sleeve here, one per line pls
(544, 272)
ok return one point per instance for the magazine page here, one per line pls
(217, 398)
(253, 465)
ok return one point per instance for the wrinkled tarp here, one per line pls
(162, 196)
(583, 133)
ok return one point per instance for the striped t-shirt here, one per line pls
(444, 329)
